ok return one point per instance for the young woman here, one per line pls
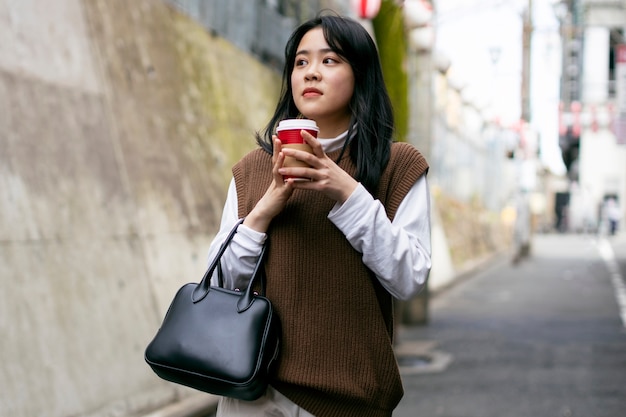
(340, 246)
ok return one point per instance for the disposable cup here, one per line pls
(288, 131)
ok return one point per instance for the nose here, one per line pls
(312, 74)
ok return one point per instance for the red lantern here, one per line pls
(576, 108)
(417, 13)
(366, 9)
(562, 125)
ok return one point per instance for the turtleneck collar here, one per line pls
(334, 144)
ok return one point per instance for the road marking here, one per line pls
(606, 252)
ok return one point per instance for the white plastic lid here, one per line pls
(289, 124)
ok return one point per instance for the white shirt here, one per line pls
(397, 252)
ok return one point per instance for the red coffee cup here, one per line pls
(288, 131)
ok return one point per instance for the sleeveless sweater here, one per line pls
(336, 357)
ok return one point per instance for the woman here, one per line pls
(340, 246)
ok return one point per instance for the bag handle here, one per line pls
(204, 286)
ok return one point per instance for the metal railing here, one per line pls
(253, 26)
(260, 27)
(469, 168)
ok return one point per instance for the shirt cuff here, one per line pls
(251, 235)
(352, 208)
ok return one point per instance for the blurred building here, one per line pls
(592, 126)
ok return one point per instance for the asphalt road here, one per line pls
(544, 338)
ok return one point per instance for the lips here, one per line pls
(311, 92)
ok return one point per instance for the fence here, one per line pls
(251, 25)
(473, 167)
(260, 27)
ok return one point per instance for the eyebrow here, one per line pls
(307, 52)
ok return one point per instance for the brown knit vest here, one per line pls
(337, 358)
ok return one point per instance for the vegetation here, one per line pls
(390, 37)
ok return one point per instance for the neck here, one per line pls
(332, 128)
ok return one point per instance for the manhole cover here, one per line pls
(423, 363)
(414, 361)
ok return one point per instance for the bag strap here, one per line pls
(220, 275)
(204, 286)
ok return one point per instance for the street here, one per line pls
(544, 338)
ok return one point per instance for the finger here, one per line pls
(303, 156)
(301, 173)
(312, 141)
(278, 164)
(277, 148)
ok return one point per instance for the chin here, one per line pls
(308, 114)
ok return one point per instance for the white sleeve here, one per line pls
(397, 252)
(240, 257)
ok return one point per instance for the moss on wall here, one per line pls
(186, 105)
(473, 232)
(227, 96)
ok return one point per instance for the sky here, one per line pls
(483, 40)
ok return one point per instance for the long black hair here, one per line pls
(371, 124)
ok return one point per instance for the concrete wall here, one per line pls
(119, 122)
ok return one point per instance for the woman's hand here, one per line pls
(276, 196)
(326, 176)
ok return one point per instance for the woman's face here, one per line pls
(322, 84)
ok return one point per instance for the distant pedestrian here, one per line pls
(341, 245)
(613, 215)
(522, 230)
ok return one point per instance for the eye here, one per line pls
(300, 62)
(330, 60)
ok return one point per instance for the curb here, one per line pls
(197, 405)
(473, 268)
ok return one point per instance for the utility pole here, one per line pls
(526, 40)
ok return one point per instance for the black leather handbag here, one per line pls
(216, 340)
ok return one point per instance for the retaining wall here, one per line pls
(119, 122)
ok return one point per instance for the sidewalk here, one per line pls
(196, 405)
(545, 337)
